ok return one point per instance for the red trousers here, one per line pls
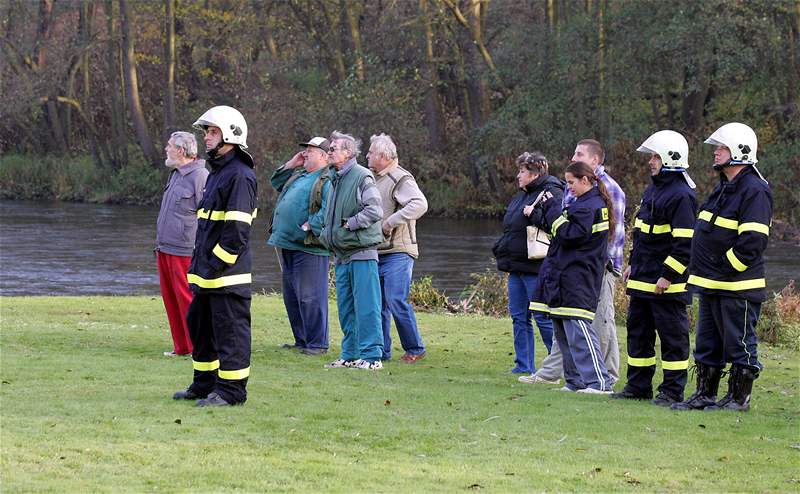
(177, 297)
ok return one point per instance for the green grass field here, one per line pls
(86, 407)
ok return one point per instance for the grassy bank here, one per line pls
(86, 408)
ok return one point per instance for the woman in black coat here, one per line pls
(511, 252)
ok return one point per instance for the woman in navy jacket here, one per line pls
(571, 276)
(511, 252)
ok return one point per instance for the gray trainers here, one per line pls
(592, 391)
(364, 364)
(340, 363)
(535, 379)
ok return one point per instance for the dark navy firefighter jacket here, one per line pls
(662, 238)
(221, 262)
(730, 237)
(572, 272)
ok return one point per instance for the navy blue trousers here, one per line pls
(305, 295)
(726, 332)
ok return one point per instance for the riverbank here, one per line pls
(86, 407)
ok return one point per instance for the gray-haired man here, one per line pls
(175, 231)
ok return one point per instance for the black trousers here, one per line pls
(219, 326)
(726, 332)
(668, 318)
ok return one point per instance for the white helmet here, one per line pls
(670, 146)
(229, 121)
(739, 139)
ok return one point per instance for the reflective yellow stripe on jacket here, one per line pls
(678, 266)
(647, 228)
(720, 221)
(227, 215)
(651, 287)
(224, 255)
(727, 285)
(236, 279)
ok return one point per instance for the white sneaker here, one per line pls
(364, 364)
(565, 388)
(340, 363)
(170, 354)
(535, 379)
(592, 391)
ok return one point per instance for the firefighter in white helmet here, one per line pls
(220, 272)
(727, 271)
(656, 276)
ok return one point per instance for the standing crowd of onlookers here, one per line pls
(329, 205)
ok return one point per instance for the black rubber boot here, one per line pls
(740, 386)
(707, 387)
(188, 394)
(665, 400)
(628, 394)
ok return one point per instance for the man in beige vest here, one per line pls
(403, 204)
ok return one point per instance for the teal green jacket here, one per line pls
(354, 202)
(291, 210)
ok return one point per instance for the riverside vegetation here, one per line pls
(86, 407)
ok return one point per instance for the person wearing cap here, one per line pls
(403, 204)
(302, 185)
(727, 272)
(352, 231)
(220, 271)
(175, 232)
(656, 276)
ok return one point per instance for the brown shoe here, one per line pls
(411, 359)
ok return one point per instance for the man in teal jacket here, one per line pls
(302, 184)
(352, 231)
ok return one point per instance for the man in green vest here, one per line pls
(302, 185)
(352, 231)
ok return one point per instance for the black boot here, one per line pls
(740, 386)
(629, 394)
(706, 393)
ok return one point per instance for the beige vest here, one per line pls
(403, 237)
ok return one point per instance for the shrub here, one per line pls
(780, 318)
(487, 295)
(425, 296)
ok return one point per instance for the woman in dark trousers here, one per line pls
(511, 252)
(571, 276)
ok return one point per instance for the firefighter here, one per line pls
(727, 271)
(219, 275)
(656, 276)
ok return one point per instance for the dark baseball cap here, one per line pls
(317, 142)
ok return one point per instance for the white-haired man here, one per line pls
(403, 204)
(352, 231)
(175, 230)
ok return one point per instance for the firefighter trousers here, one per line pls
(726, 332)
(219, 325)
(668, 318)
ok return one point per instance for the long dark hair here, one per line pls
(579, 169)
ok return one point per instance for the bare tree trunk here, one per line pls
(43, 32)
(434, 118)
(112, 70)
(169, 66)
(132, 87)
(56, 129)
(353, 14)
(601, 70)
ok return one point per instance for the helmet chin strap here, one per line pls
(212, 153)
(718, 168)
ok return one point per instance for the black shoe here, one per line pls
(313, 351)
(664, 400)
(740, 386)
(213, 400)
(627, 394)
(706, 393)
(186, 394)
(290, 346)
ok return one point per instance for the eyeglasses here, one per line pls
(331, 149)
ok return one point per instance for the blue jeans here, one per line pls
(358, 297)
(520, 292)
(305, 295)
(395, 274)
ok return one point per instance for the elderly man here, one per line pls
(302, 184)
(352, 231)
(219, 275)
(403, 204)
(175, 230)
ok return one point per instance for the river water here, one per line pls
(58, 248)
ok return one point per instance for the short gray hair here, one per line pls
(534, 162)
(186, 141)
(384, 145)
(350, 143)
